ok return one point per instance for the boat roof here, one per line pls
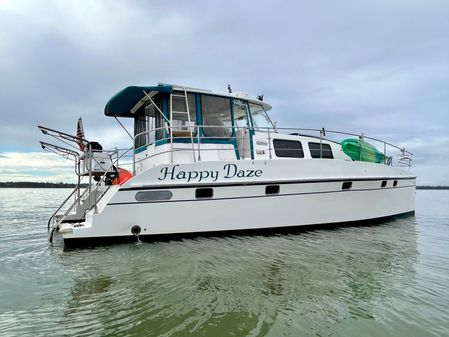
(127, 101)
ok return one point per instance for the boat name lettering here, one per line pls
(232, 171)
(229, 171)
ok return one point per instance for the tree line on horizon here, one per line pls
(31, 184)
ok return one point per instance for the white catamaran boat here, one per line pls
(205, 163)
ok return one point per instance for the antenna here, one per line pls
(229, 89)
(260, 97)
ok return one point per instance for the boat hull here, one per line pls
(247, 207)
(106, 240)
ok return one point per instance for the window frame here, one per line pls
(231, 110)
(191, 98)
(288, 150)
(253, 125)
(323, 145)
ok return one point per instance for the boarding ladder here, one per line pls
(181, 113)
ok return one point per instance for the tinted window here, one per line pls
(288, 148)
(315, 151)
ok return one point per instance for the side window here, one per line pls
(181, 126)
(240, 117)
(217, 116)
(146, 121)
(288, 148)
(315, 151)
(140, 126)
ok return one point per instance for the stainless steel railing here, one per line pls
(403, 158)
(238, 136)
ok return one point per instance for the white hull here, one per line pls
(313, 194)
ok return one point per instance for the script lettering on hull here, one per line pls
(229, 171)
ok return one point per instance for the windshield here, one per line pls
(259, 117)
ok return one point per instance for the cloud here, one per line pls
(35, 166)
(377, 67)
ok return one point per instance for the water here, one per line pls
(384, 280)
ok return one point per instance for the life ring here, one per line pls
(122, 176)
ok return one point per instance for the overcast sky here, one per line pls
(379, 67)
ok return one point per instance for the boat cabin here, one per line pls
(175, 124)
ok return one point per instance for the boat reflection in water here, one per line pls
(320, 282)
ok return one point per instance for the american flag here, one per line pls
(80, 134)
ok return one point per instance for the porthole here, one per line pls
(154, 195)
(204, 193)
(272, 189)
(346, 185)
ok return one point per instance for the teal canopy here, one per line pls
(121, 104)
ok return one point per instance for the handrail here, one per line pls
(114, 163)
(273, 130)
(240, 145)
(87, 190)
(348, 134)
(62, 205)
(401, 159)
(76, 201)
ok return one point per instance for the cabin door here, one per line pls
(242, 128)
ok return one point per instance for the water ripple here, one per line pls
(383, 280)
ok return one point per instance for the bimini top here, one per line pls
(127, 101)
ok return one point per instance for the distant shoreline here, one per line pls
(29, 184)
(432, 187)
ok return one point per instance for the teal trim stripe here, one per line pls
(140, 149)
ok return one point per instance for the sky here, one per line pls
(378, 67)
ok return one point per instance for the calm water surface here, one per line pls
(384, 280)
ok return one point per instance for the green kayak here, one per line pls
(358, 149)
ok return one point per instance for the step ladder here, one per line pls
(181, 113)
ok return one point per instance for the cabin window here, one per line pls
(240, 116)
(140, 126)
(261, 121)
(316, 153)
(148, 123)
(216, 116)
(180, 122)
(383, 184)
(395, 183)
(288, 148)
